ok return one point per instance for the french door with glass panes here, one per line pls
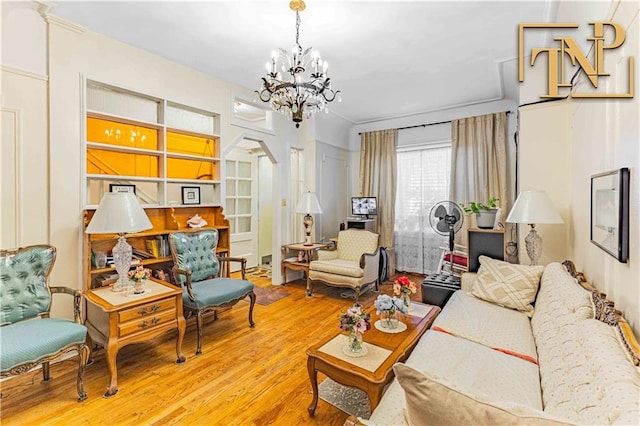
(242, 205)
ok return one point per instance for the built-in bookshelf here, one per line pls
(151, 146)
(164, 220)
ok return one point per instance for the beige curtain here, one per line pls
(479, 164)
(378, 178)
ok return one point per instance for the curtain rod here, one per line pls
(431, 124)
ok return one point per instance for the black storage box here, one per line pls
(438, 288)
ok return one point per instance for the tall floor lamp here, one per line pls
(308, 205)
(533, 207)
(119, 213)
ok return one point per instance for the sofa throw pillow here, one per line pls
(433, 401)
(506, 284)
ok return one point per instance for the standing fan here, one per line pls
(446, 219)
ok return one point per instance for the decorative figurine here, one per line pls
(196, 222)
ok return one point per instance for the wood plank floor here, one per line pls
(244, 376)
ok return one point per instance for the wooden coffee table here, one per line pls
(374, 371)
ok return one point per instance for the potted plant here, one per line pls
(485, 213)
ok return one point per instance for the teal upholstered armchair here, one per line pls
(205, 276)
(25, 295)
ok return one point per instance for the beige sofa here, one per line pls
(486, 364)
(355, 263)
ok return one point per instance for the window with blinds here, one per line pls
(423, 180)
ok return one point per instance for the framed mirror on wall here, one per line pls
(610, 212)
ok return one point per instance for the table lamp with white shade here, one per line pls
(308, 205)
(119, 213)
(533, 207)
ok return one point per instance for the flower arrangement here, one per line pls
(355, 320)
(139, 274)
(388, 306)
(403, 285)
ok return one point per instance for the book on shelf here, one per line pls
(153, 247)
(163, 245)
(142, 254)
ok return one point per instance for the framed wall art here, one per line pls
(190, 195)
(116, 187)
(610, 212)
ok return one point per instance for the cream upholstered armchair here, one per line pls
(355, 263)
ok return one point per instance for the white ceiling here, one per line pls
(389, 58)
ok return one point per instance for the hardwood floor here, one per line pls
(243, 377)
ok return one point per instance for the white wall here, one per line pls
(24, 37)
(544, 154)
(333, 169)
(586, 137)
(332, 129)
(24, 212)
(606, 136)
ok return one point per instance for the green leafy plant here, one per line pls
(475, 207)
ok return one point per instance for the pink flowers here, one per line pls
(404, 285)
(355, 320)
(139, 274)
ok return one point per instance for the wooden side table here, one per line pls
(289, 262)
(115, 320)
(374, 371)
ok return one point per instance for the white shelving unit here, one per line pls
(159, 168)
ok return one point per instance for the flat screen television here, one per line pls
(366, 206)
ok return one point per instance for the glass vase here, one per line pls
(355, 342)
(388, 319)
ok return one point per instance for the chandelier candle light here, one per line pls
(301, 95)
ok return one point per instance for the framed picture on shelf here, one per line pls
(610, 212)
(190, 195)
(116, 187)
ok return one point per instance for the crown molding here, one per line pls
(63, 23)
(45, 8)
(24, 73)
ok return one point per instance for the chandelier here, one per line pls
(300, 95)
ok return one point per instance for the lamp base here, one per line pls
(122, 261)
(308, 226)
(533, 244)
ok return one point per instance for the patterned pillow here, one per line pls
(506, 284)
